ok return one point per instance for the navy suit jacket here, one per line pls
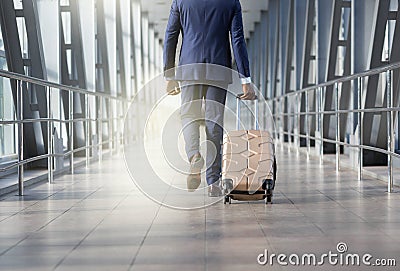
(205, 26)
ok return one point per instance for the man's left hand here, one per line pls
(173, 88)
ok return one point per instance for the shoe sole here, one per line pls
(194, 178)
(214, 196)
(196, 167)
(216, 193)
(193, 182)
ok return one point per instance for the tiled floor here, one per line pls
(98, 219)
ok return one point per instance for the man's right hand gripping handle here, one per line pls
(248, 92)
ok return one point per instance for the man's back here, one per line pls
(205, 31)
(205, 26)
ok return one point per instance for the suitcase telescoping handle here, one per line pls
(238, 103)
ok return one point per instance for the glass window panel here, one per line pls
(7, 132)
(18, 4)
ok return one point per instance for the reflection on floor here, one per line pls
(98, 219)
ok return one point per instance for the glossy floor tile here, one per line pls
(98, 219)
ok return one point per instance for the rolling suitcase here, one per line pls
(248, 163)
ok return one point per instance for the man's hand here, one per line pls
(248, 92)
(173, 88)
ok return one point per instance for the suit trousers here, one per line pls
(196, 99)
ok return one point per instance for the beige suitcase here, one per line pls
(248, 163)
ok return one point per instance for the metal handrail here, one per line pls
(52, 85)
(370, 148)
(113, 121)
(294, 97)
(12, 122)
(343, 111)
(344, 79)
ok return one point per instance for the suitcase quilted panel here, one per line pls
(235, 142)
(263, 134)
(258, 145)
(234, 162)
(260, 142)
(261, 163)
(247, 160)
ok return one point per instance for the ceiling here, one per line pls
(158, 12)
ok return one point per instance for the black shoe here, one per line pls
(194, 178)
(215, 190)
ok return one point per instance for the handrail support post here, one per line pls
(320, 124)
(110, 126)
(297, 119)
(50, 159)
(20, 117)
(71, 131)
(337, 115)
(100, 123)
(360, 127)
(390, 128)
(87, 132)
(307, 126)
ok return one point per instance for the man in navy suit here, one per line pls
(207, 26)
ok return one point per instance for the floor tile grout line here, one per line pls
(33, 204)
(363, 194)
(341, 205)
(332, 199)
(259, 224)
(291, 201)
(205, 233)
(304, 215)
(13, 246)
(369, 223)
(10, 195)
(131, 265)
(85, 170)
(353, 172)
(29, 235)
(92, 230)
(309, 220)
(262, 230)
(41, 200)
(69, 209)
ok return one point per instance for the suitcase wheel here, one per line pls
(268, 185)
(269, 196)
(227, 185)
(227, 199)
